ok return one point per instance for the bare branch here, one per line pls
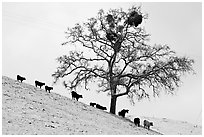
(120, 57)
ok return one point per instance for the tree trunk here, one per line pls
(113, 104)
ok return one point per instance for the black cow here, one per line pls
(92, 104)
(48, 88)
(19, 78)
(100, 107)
(40, 84)
(76, 96)
(122, 112)
(147, 124)
(137, 121)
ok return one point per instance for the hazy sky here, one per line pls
(32, 34)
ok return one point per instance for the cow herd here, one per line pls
(122, 113)
(76, 96)
(37, 83)
(136, 121)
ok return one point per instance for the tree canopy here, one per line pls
(116, 55)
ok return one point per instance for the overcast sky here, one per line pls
(32, 34)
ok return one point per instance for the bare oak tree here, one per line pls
(115, 54)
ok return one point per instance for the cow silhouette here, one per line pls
(20, 78)
(123, 112)
(101, 107)
(76, 95)
(38, 83)
(147, 124)
(48, 88)
(137, 121)
(92, 104)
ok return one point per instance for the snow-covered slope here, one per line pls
(30, 110)
(172, 127)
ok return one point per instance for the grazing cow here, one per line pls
(40, 84)
(122, 112)
(48, 88)
(137, 121)
(76, 96)
(147, 124)
(100, 107)
(19, 78)
(92, 104)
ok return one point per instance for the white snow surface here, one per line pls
(172, 127)
(27, 110)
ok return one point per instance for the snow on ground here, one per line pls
(174, 127)
(171, 127)
(32, 111)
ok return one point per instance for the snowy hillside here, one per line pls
(30, 110)
(172, 127)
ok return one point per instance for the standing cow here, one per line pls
(137, 121)
(76, 96)
(123, 112)
(19, 78)
(147, 124)
(40, 84)
(48, 88)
